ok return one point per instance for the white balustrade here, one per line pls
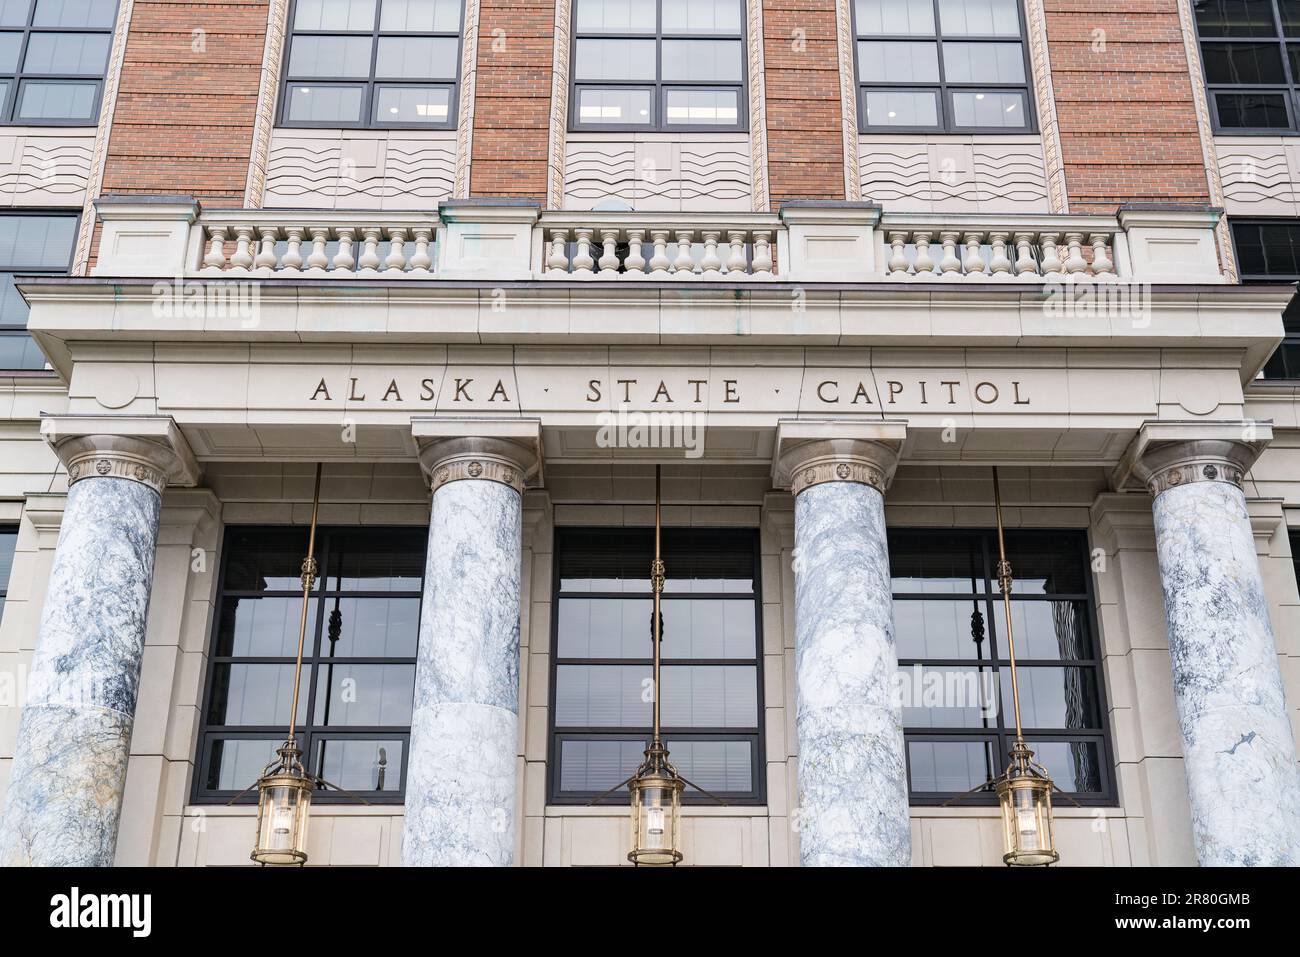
(257, 243)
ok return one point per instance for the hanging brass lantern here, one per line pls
(283, 805)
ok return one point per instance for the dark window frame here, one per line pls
(1284, 364)
(658, 86)
(1003, 732)
(7, 529)
(19, 78)
(308, 732)
(9, 329)
(756, 796)
(942, 86)
(369, 84)
(1289, 90)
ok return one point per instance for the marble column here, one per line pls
(853, 808)
(1238, 747)
(65, 791)
(461, 773)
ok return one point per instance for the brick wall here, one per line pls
(184, 116)
(802, 78)
(1126, 114)
(512, 105)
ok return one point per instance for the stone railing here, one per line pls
(625, 245)
(497, 240)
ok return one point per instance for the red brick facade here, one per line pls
(1125, 108)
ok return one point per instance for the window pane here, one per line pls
(39, 100)
(254, 695)
(1290, 10)
(595, 766)
(1243, 63)
(33, 242)
(412, 104)
(1074, 766)
(706, 628)
(876, 17)
(893, 61)
(1055, 697)
(432, 58)
(615, 60)
(420, 16)
(67, 54)
(702, 107)
(1235, 18)
(262, 628)
(363, 561)
(1279, 250)
(20, 351)
(983, 63)
(371, 627)
(364, 695)
(902, 107)
(615, 16)
(707, 696)
(1251, 111)
(716, 766)
(708, 61)
(13, 308)
(94, 14)
(602, 696)
(237, 763)
(335, 15)
(330, 56)
(357, 764)
(989, 109)
(612, 107)
(264, 559)
(605, 628)
(8, 542)
(950, 766)
(937, 628)
(1046, 564)
(10, 45)
(948, 697)
(13, 13)
(979, 18)
(936, 563)
(701, 16)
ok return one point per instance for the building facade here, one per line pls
(827, 264)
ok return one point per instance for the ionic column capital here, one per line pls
(147, 449)
(1167, 455)
(508, 451)
(813, 451)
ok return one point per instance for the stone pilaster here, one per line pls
(852, 771)
(69, 771)
(460, 790)
(1240, 755)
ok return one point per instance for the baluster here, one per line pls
(242, 257)
(558, 260)
(736, 261)
(711, 264)
(999, 264)
(1075, 263)
(421, 261)
(634, 265)
(317, 260)
(659, 261)
(949, 265)
(924, 265)
(343, 260)
(762, 265)
(216, 255)
(974, 263)
(582, 261)
(291, 261)
(898, 256)
(684, 264)
(265, 259)
(396, 260)
(1051, 261)
(369, 261)
(1101, 262)
(609, 256)
(1025, 264)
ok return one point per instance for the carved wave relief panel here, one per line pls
(355, 169)
(674, 172)
(1260, 175)
(44, 167)
(954, 173)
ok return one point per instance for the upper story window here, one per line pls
(941, 65)
(53, 54)
(712, 687)
(955, 676)
(30, 243)
(658, 65)
(8, 542)
(372, 63)
(1269, 251)
(358, 677)
(1251, 50)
